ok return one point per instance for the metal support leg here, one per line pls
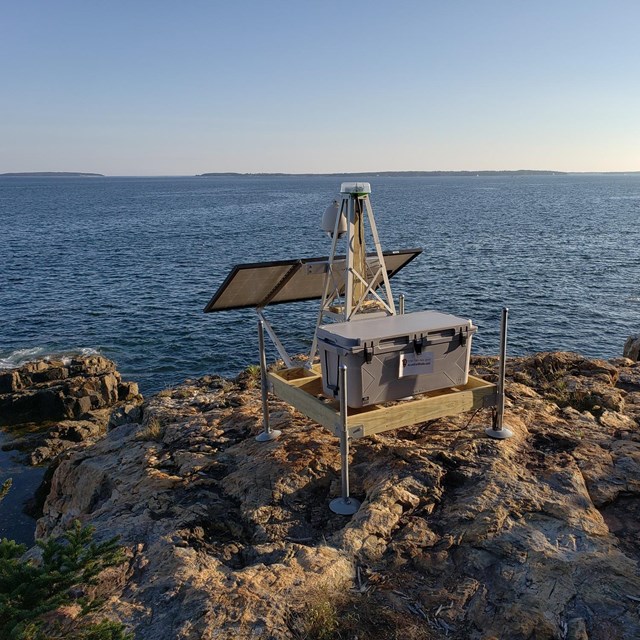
(498, 430)
(401, 304)
(276, 341)
(267, 433)
(344, 505)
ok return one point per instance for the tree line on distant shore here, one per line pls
(400, 174)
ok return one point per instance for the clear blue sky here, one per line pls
(152, 87)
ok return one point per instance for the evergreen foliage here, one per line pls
(29, 589)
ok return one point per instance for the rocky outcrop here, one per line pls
(50, 390)
(55, 404)
(458, 536)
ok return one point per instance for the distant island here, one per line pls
(399, 174)
(51, 174)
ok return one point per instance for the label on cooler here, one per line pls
(415, 364)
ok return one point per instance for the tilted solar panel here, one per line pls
(261, 283)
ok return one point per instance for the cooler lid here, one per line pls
(354, 334)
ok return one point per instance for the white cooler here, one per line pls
(396, 356)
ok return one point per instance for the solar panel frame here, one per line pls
(278, 286)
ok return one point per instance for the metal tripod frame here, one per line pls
(358, 285)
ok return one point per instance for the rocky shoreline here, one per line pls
(56, 404)
(458, 536)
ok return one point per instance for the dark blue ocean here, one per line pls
(124, 266)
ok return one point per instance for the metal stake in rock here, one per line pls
(498, 430)
(345, 505)
(268, 433)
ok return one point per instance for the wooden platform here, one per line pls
(302, 389)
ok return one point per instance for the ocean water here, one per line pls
(14, 523)
(124, 266)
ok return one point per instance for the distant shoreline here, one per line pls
(391, 174)
(419, 174)
(350, 174)
(51, 174)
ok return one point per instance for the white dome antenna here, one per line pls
(356, 188)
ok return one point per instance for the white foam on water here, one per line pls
(21, 356)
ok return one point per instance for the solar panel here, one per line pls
(260, 283)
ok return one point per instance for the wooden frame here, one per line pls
(302, 388)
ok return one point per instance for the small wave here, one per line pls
(21, 356)
(633, 299)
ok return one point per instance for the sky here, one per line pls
(158, 87)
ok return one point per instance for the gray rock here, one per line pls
(48, 450)
(76, 430)
(125, 414)
(632, 347)
(32, 405)
(128, 391)
(577, 629)
(10, 381)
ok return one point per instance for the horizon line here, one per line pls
(384, 173)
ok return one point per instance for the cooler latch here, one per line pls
(368, 354)
(417, 345)
(463, 338)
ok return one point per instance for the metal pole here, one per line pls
(345, 505)
(503, 366)
(498, 430)
(344, 436)
(267, 433)
(401, 304)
